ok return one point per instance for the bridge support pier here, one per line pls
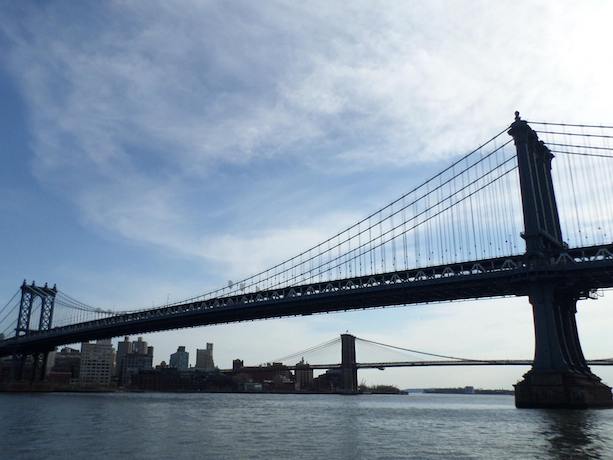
(33, 366)
(30, 368)
(349, 371)
(39, 367)
(19, 362)
(560, 376)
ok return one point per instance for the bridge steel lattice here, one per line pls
(463, 234)
(30, 294)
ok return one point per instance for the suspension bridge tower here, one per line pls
(560, 376)
(349, 371)
(30, 295)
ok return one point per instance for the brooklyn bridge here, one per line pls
(527, 213)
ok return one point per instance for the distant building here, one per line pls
(50, 362)
(123, 348)
(133, 349)
(179, 359)
(237, 365)
(204, 358)
(135, 362)
(159, 379)
(140, 346)
(329, 382)
(66, 367)
(272, 377)
(303, 376)
(173, 379)
(251, 387)
(96, 363)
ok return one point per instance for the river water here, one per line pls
(235, 426)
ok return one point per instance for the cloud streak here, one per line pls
(162, 100)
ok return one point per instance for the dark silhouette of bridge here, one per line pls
(349, 365)
(489, 225)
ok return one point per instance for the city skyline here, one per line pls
(159, 178)
(132, 366)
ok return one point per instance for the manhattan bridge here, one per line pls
(527, 213)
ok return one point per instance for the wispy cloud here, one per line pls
(130, 107)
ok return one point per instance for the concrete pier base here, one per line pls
(562, 390)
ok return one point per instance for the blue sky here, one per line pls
(154, 150)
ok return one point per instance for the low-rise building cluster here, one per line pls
(99, 366)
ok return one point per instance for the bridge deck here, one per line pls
(443, 363)
(581, 269)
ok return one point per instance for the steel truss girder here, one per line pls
(583, 269)
(29, 294)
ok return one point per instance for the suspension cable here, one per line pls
(9, 302)
(308, 350)
(416, 351)
(558, 133)
(582, 154)
(568, 124)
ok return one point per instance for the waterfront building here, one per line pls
(123, 348)
(173, 379)
(204, 358)
(179, 359)
(303, 376)
(272, 377)
(140, 346)
(50, 362)
(251, 387)
(133, 363)
(329, 382)
(96, 363)
(237, 365)
(66, 367)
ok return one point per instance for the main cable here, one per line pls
(419, 352)
(308, 350)
(568, 124)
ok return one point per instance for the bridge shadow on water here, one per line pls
(576, 433)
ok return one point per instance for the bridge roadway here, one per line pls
(384, 365)
(579, 269)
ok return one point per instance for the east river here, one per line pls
(268, 426)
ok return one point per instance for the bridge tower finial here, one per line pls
(542, 230)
